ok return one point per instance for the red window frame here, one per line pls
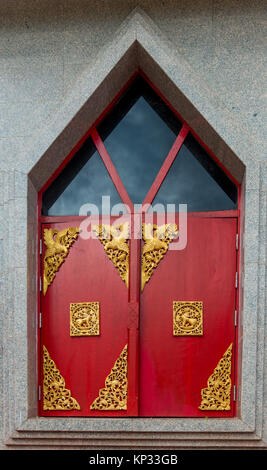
(135, 244)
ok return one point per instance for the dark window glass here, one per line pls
(138, 134)
(84, 180)
(195, 179)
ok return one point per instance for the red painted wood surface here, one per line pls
(134, 315)
(173, 370)
(87, 275)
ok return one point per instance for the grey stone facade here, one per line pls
(61, 63)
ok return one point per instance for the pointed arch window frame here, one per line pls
(112, 171)
(134, 291)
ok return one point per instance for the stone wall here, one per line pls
(211, 55)
(46, 45)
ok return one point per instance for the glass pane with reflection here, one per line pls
(138, 134)
(79, 188)
(197, 180)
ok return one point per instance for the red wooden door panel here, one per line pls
(86, 275)
(174, 369)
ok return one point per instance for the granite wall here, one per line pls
(63, 60)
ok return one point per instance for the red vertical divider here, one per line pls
(133, 316)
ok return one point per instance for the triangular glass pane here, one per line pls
(197, 180)
(138, 134)
(82, 182)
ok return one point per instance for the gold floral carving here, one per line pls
(115, 242)
(157, 240)
(55, 395)
(217, 395)
(58, 244)
(114, 395)
(187, 318)
(84, 319)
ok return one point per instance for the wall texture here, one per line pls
(46, 44)
(45, 49)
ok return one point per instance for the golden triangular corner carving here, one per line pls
(157, 240)
(55, 395)
(114, 395)
(217, 395)
(58, 244)
(115, 242)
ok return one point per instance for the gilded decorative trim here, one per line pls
(55, 395)
(115, 242)
(217, 395)
(114, 395)
(157, 240)
(58, 244)
(84, 319)
(187, 318)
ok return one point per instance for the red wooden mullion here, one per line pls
(165, 167)
(111, 169)
(134, 314)
(145, 77)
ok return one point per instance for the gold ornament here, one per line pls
(84, 319)
(217, 395)
(187, 318)
(114, 395)
(114, 240)
(58, 245)
(55, 395)
(157, 240)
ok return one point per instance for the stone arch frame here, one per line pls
(138, 44)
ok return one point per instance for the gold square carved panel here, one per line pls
(187, 318)
(84, 319)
